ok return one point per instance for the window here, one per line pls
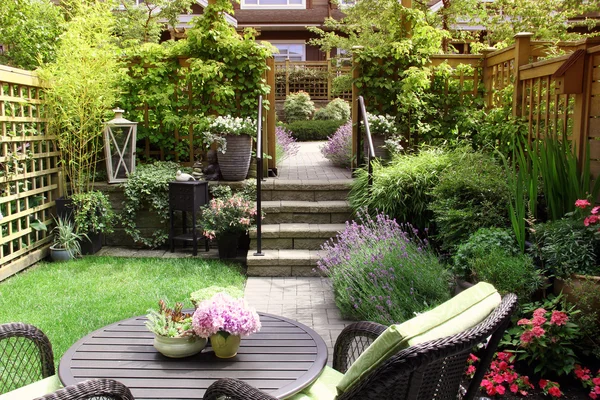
(273, 4)
(293, 51)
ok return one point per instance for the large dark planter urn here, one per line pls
(234, 163)
(227, 243)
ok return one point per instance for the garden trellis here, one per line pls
(29, 172)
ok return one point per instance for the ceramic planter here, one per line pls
(225, 347)
(570, 286)
(234, 163)
(57, 254)
(227, 243)
(178, 347)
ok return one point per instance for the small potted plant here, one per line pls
(225, 320)
(233, 136)
(384, 131)
(226, 219)
(67, 241)
(173, 334)
(93, 214)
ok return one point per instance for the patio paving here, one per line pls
(309, 164)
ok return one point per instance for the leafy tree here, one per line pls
(29, 30)
(144, 23)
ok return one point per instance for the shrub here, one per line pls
(298, 107)
(314, 130)
(336, 109)
(402, 189)
(587, 297)
(481, 242)
(285, 145)
(381, 271)
(338, 148)
(472, 194)
(508, 273)
(565, 247)
(148, 187)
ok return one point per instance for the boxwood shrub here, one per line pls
(305, 131)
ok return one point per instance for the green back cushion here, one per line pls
(461, 312)
(36, 389)
(321, 389)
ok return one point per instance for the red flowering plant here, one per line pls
(501, 377)
(545, 339)
(588, 380)
(550, 388)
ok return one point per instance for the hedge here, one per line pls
(314, 130)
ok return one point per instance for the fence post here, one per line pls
(487, 77)
(407, 25)
(287, 77)
(270, 125)
(329, 69)
(355, 94)
(522, 54)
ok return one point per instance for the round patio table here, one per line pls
(281, 359)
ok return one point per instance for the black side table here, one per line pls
(187, 197)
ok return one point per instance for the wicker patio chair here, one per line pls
(25, 356)
(96, 389)
(431, 370)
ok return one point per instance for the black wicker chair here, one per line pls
(426, 371)
(25, 356)
(97, 389)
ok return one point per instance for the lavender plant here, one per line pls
(338, 148)
(381, 271)
(285, 144)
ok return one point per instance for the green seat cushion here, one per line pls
(461, 312)
(321, 389)
(36, 389)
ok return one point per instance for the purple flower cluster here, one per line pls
(338, 148)
(381, 271)
(285, 143)
(223, 313)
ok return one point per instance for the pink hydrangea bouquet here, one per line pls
(235, 214)
(224, 315)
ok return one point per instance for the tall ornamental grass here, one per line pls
(381, 271)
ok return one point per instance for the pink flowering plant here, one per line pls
(225, 315)
(235, 214)
(550, 388)
(588, 380)
(501, 378)
(546, 338)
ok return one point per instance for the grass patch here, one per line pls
(69, 300)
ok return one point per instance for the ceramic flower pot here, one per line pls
(179, 347)
(571, 287)
(234, 163)
(225, 347)
(57, 254)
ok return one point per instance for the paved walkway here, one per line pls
(309, 164)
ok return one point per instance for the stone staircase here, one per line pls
(299, 217)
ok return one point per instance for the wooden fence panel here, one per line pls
(28, 171)
(313, 77)
(592, 134)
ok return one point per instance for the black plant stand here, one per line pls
(187, 197)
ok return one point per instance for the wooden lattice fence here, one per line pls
(313, 77)
(28, 172)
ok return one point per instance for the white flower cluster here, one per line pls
(228, 125)
(382, 124)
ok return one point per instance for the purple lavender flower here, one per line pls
(338, 148)
(286, 145)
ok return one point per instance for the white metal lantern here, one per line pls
(119, 147)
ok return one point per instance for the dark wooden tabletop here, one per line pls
(283, 358)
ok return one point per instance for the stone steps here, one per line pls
(308, 212)
(295, 236)
(283, 262)
(317, 190)
(299, 217)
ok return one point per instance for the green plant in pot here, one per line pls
(93, 214)
(174, 336)
(67, 241)
(569, 248)
(225, 219)
(233, 136)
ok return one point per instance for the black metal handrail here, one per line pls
(259, 177)
(362, 115)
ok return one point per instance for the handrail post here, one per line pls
(362, 113)
(259, 175)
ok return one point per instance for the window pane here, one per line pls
(273, 2)
(251, 2)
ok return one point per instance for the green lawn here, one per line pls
(69, 300)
